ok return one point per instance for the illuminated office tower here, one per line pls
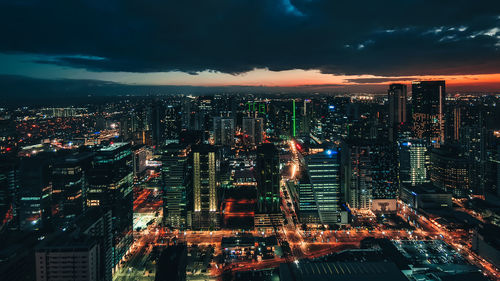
(252, 129)
(172, 123)
(139, 153)
(397, 109)
(69, 184)
(448, 170)
(204, 187)
(323, 170)
(174, 181)
(356, 173)
(223, 131)
(110, 180)
(413, 162)
(428, 101)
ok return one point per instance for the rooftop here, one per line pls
(331, 271)
(114, 146)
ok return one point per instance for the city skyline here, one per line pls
(254, 140)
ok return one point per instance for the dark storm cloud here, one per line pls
(393, 37)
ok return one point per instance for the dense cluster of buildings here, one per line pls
(228, 162)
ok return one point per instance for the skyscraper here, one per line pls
(268, 185)
(397, 108)
(110, 188)
(248, 130)
(356, 173)
(223, 131)
(428, 101)
(174, 181)
(268, 179)
(413, 162)
(158, 123)
(35, 191)
(9, 187)
(324, 174)
(204, 187)
(69, 184)
(449, 171)
(259, 130)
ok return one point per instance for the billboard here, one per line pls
(384, 206)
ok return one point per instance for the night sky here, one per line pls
(313, 45)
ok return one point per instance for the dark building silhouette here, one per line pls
(268, 186)
(35, 191)
(158, 123)
(397, 109)
(68, 177)
(9, 187)
(428, 101)
(110, 188)
(449, 170)
(268, 179)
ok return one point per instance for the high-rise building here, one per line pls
(158, 123)
(248, 130)
(267, 174)
(449, 171)
(82, 251)
(268, 179)
(172, 123)
(9, 187)
(413, 162)
(223, 131)
(268, 213)
(384, 171)
(110, 182)
(204, 187)
(68, 258)
(97, 224)
(130, 126)
(259, 130)
(357, 180)
(68, 176)
(139, 160)
(252, 129)
(35, 191)
(174, 182)
(397, 108)
(308, 209)
(428, 101)
(456, 123)
(323, 170)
